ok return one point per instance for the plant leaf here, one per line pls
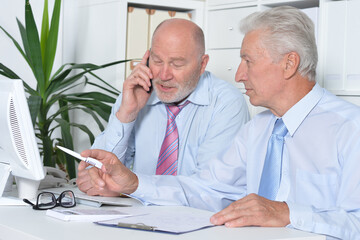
(103, 111)
(68, 143)
(86, 130)
(88, 68)
(17, 45)
(44, 31)
(34, 47)
(25, 42)
(114, 92)
(96, 96)
(51, 42)
(7, 72)
(95, 117)
(47, 151)
(29, 90)
(61, 69)
(34, 103)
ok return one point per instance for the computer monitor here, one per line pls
(19, 153)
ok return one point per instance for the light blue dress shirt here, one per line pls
(206, 127)
(321, 163)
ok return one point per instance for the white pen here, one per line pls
(89, 160)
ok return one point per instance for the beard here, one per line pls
(184, 89)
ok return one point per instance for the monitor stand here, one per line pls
(7, 191)
(5, 181)
(11, 194)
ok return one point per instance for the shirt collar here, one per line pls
(200, 96)
(296, 115)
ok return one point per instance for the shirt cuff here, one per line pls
(144, 189)
(118, 135)
(301, 217)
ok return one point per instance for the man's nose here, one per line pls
(165, 73)
(241, 73)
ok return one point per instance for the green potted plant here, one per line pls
(55, 90)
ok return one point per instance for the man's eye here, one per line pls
(178, 65)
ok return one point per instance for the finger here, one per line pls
(142, 77)
(144, 62)
(140, 73)
(98, 154)
(86, 153)
(221, 217)
(249, 217)
(145, 57)
(230, 213)
(235, 218)
(85, 186)
(96, 179)
(93, 192)
(244, 220)
(84, 182)
(82, 166)
(83, 176)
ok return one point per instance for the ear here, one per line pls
(204, 62)
(291, 64)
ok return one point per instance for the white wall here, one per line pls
(9, 55)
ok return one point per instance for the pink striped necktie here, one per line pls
(168, 157)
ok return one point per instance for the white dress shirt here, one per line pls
(321, 163)
(206, 126)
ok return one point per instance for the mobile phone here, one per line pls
(147, 64)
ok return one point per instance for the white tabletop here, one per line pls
(22, 222)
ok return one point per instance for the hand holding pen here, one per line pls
(112, 179)
(89, 160)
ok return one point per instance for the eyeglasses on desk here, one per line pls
(47, 200)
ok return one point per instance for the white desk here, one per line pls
(24, 223)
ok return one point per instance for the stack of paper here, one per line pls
(85, 215)
(97, 201)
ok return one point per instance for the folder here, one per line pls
(175, 221)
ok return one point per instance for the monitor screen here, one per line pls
(19, 153)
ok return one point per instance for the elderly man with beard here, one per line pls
(159, 144)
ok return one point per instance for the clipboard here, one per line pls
(174, 222)
(137, 226)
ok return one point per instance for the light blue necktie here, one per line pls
(271, 175)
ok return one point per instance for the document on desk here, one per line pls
(176, 222)
(86, 215)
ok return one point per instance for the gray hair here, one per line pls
(286, 29)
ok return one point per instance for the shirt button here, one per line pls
(300, 222)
